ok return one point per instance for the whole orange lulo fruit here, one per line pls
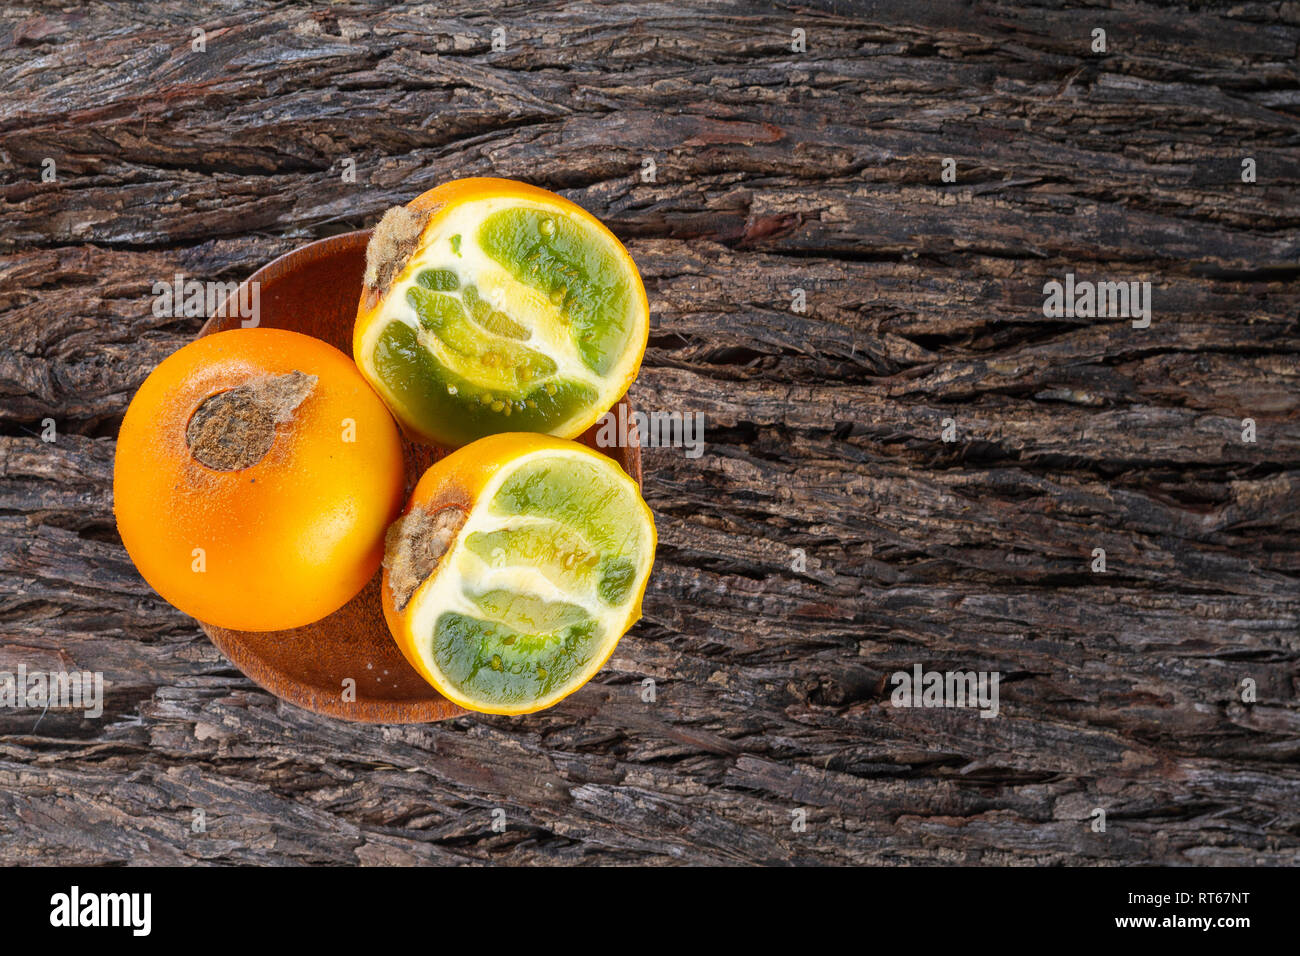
(256, 473)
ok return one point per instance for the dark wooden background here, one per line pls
(776, 170)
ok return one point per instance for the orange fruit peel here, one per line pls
(255, 475)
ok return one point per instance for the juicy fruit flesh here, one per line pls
(582, 278)
(510, 318)
(535, 666)
(543, 580)
(431, 392)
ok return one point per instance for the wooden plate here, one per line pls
(314, 290)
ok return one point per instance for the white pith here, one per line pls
(461, 569)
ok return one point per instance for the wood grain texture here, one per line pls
(775, 170)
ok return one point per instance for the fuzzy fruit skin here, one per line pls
(438, 202)
(287, 540)
(459, 480)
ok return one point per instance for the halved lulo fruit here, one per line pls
(492, 306)
(519, 563)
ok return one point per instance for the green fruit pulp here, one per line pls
(582, 275)
(509, 370)
(579, 528)
(452, 409)
(493, 662)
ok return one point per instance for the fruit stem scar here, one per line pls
(414, 545)
(393, 242)
(234, 429)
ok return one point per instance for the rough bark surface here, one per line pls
(774, 170)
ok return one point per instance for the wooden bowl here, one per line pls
(314, 290)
